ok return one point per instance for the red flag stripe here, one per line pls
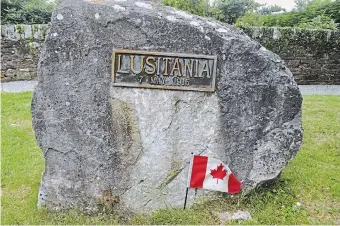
(234, 186)
(199, 167)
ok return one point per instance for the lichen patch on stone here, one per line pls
(329, 34)
(118, 8)
(222, 30)
(60, 16)
(195, 23)
(171, 18)
(95, 1)
(263, 49)
(97, 16)
(183, 14)
(213, 24)
(143, 5)
(276, 34)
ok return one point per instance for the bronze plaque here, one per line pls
(157, 70)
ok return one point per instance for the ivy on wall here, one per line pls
(26, 11)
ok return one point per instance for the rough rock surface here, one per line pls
(129, 148)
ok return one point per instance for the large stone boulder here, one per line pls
(129, 148)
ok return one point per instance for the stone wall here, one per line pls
(313, 56)
(20, 48)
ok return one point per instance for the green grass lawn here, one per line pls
(311, 179)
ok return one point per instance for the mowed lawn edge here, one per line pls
(308, 191)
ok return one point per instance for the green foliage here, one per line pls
(319, 14)
(333, 11)
(20, 28)
(198, 7)
(313, 10)
(250, 19)
(229, 11)
(319, 22)
(265, 10)
(224, 10)
(301, 4)
(26, 12)
(315, 14)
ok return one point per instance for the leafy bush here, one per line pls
(26, 12)
(301, 4)
(224, 10)
(316, 8)
(251, 19)
(229, 11)
(318, 14)
(198, 7)
(319, 22)
(265, 10)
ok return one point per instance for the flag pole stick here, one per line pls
(186, 196)
(189, 176)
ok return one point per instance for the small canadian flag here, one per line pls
(210, 173)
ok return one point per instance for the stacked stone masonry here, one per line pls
(20, 49)
(313, 56)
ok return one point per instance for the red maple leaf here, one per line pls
(218, 173)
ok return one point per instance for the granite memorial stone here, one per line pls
(110, 140)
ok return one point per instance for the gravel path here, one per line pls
(18, 86)
(320, 89)
(22, 86)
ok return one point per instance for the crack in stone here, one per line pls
(139, 156)
(201, 152)
(176, 111)
(170, 178)
(114, 21)
(141, 181)
(61, 152)
(147, 202)
(281, 126)
(178, 172)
